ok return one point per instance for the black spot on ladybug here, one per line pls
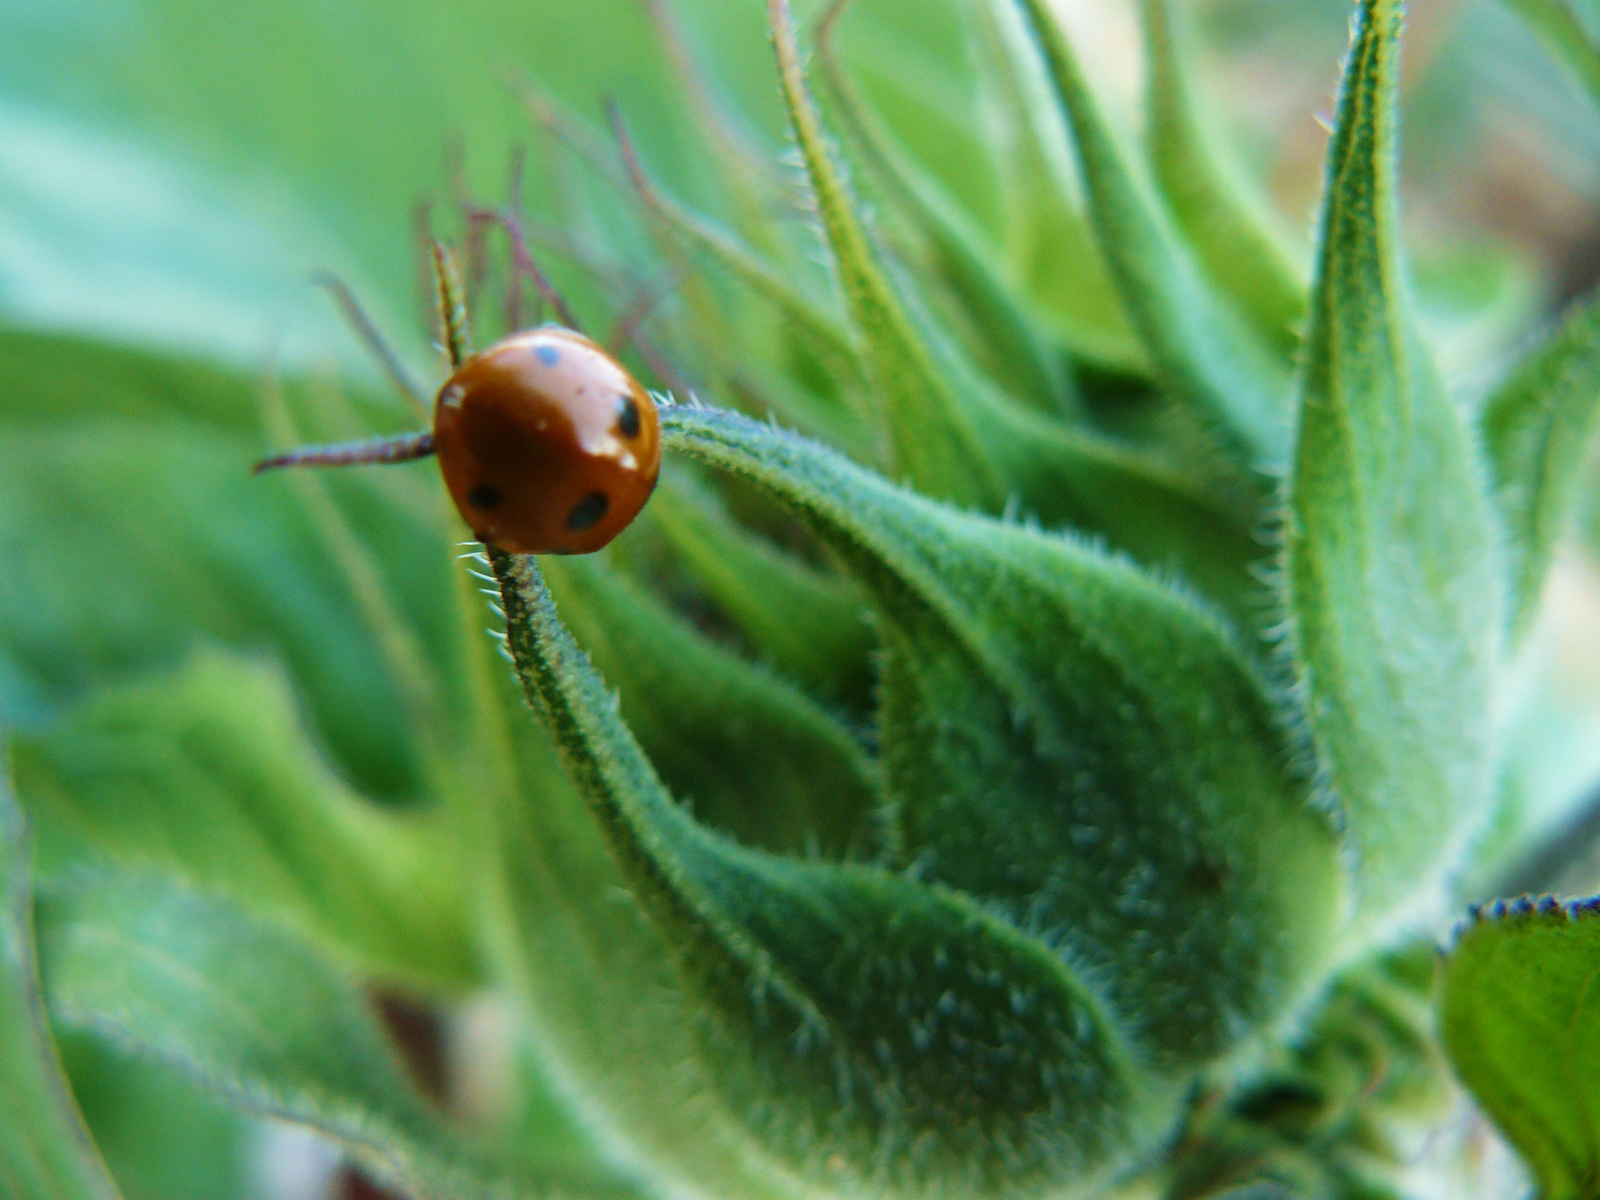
(627, 417)
(587, 511)
(485, 495)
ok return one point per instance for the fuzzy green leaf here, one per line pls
(865, 1027)
(959, 439)
(1393, 588)
(256, 1014)
(1011, 344)
(712, 722)
(45, 1151)
(208, 772)
(1520, 1019)
(1233, 241)
(1206, 354)
(1538, 430)
(933, 435)
(1075, 744)
(163, 1136)
(1050, 246)
(810, 624)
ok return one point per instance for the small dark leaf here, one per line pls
(712, 722)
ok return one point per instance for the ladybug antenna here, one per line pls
(452, 305)
(403, 447)
(362, 325)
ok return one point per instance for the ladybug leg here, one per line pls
(403, 447)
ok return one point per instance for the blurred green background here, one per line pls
(172, 171)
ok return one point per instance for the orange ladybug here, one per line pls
(546, 442)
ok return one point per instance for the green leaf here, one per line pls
(1233, 241)
(1538, 429)
(1011, 344)
(45, 1151)
(162, 1135)
(207, 551)
(807, 317)
(208, 772)
(810, 624)
(1205, 352)
(712, 722)
(258, 1015)
(1075, 744)
(933, 435)
(1558, 23)
(1392, 583)
(1519, 1016)
(960, 439)
(1050, 246)
(871, 1030)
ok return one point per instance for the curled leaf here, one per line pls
(864, 1026)
(1075, 744)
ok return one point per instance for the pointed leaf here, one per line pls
(209, 773)
(1520, 1019)
(1049, 243)
(811, 322)
(1233, 242)
(1075, 744)
(1538, 430)
(934, 439)
(959, 439)
(1205, 352)
(45, 1150)
(713, 722)
(1392, 588)
(256, 1014)
(867, 1028)
(1007, 339)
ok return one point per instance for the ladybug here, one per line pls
(547, 444)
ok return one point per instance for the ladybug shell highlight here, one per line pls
(547, 444)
